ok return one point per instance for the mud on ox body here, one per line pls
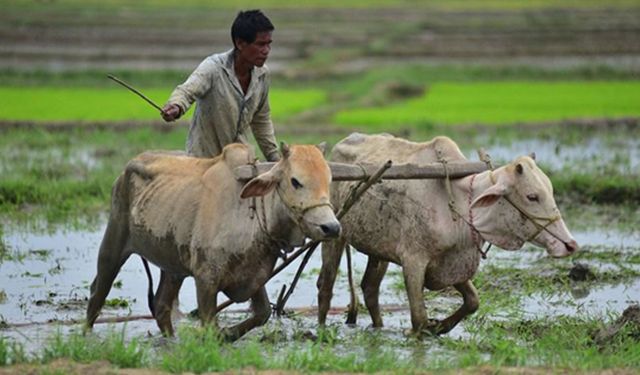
(189, 217)
(409, 222)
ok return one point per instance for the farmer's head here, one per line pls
(251, 36)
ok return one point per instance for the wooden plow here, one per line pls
(367, 175)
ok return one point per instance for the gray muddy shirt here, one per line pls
(223, 113)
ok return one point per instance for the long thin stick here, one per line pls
(354, 195)
(350, 201)
(282, 301)
(352, 314)
(123, 83)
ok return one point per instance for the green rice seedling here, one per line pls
(559, 343)
(12, 352)
(4, 352)
(318, 358)
(113, 348)
(115, 104)
(203, 350)
(117, 303)
(500, 103)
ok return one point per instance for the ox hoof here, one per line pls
(86, 329)
(229, 335)
(431, 328)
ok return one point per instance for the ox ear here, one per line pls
(490, 196)
(263, 184)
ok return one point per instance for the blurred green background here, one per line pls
(551, 75)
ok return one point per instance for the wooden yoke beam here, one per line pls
(356, 172)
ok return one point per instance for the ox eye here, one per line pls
(296, 184)
(533, 197)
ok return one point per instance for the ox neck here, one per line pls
(468, 188)
(278, 230)
(465, 191)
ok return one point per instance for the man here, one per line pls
(232, 93)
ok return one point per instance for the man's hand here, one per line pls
(171, 112)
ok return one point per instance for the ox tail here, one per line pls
(145, 263)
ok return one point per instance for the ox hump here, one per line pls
(381, 147)
(237, 154)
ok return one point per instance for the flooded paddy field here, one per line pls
(45, 280)
(46, 269)
(537, 314)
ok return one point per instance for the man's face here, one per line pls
(256, 53)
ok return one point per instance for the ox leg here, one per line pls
(331, 255)
(110, 260)
(469, 306)
(164, 299)
(261, 312)
(371, 288)
(207, 295)
(414, 275)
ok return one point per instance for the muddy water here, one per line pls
(49, 276)
(590, 153)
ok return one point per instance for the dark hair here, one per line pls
(248, 24)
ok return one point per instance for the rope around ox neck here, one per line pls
(474, 231)
(534, 219)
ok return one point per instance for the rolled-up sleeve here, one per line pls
(263, 131)
(198, 83)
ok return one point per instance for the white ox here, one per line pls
(409, 222)
(187, 216)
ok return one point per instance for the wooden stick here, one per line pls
(349, 202)
(283, 301)
(305, 310)
(352, 314)
(123, 83)
(352, 172)
(276, 270)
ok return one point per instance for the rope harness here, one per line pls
(297, 212)
(476, 237)
(532, 218)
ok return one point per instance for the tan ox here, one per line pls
(187, 216)
(409, 222)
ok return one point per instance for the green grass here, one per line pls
(559, 343)
(438, 4)
(500, 103)
(11, 352)
(114, 348)
(118, 104)
(562, 343)
(66, 176)
(62, 174)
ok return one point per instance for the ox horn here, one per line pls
(322, 146)
(284, 148)
(532, 155)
